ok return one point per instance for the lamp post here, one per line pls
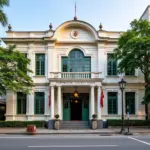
(122, 85)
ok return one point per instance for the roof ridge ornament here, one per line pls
(75, 17)
(101, 27)
(50, 26)
(9, 27)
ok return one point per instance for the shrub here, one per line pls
(131, 122)
(56, 116)
(21, 124)
(94, 116)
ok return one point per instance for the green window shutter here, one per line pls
(130, 101)
(21, 103)
(40, 64)
(111, 65)
(65, 64)
(39, 102)
(112, 103)
(87, 64)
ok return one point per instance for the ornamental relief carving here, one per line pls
(74, 34)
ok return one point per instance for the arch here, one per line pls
(76, 61)
(78, 23)
(76, 47)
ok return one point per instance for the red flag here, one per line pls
(49, 98)
(102, 98)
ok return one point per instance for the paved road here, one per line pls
(75, 142)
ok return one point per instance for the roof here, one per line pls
(145, 11)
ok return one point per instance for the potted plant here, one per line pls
(94, 121)
(57, 122)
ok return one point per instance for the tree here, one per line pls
(133, 51)
(13, 71)
(3, 17)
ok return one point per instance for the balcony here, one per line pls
(74, 75)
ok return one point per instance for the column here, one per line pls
(98, 103)
(52, 102)
(92, 102)
(59, 101)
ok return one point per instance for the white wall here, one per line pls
(54, 50)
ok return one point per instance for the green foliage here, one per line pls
(94, 116)
(56, 116)
(133, 51)
(22, 124)
(131, 123)
(3, 17)
(13, 71)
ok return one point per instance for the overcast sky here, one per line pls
(115, 15)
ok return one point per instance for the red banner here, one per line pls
(49, 98)
(102, 98)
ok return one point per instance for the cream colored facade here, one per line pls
(58, 43)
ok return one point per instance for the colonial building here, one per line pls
(71, 67)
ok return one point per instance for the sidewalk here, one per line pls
(112, 131)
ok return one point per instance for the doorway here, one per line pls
(76, 109)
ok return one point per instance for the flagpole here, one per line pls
(75, 9)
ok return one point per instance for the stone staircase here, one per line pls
(75, 125)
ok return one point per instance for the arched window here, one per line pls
(76, 62)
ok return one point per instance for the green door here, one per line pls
(85, 109)
(66, 108)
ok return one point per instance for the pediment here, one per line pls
(75, 31)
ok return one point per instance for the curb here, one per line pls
(75, 133)
(61, 133)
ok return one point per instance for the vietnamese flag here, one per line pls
(102, 98)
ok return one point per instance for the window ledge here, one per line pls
(39, 76)
(131, 76)
(112, 76)
(20, 115)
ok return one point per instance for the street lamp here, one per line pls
(122, 85)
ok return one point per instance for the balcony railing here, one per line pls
(74, 75)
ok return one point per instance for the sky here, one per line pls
(36, 15)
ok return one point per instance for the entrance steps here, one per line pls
(75, 125)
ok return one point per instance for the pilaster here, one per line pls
(101, 60)
(30, 106)
(50, 58)
(10, 105)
